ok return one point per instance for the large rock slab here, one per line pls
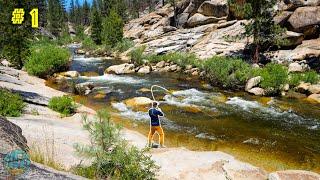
(292, 38)
(121, 69)
(299, 3)
(199, 19)
(305, 16)
(216, 43)
(203, 165)
(293, 175)
(282, 17)
(193, 6)
(308, 49)
(314, 89)
(11, 137)
(218, 8)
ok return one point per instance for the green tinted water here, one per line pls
(274, 133)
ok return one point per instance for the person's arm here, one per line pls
(160, 113)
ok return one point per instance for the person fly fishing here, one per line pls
(155, 125)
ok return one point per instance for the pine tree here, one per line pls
(72, 12)
(112, 28)
(112, 157)
(96, 26)
(56, 17)
(78, 13)
(262, 28)
(42, 7)
(86, 13)
(14, 38)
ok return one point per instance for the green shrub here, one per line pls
(274, 76)
(295, 79)
(124, 45)
(308, 77)
(64, 105)
(11, 104)
(137, 56)
(227, 72)
(80, 32)
(89, 44)
(112, 157)
(311, 77)
(46, 59)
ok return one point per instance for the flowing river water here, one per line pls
(272, 133)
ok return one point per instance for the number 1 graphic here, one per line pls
(34, 15)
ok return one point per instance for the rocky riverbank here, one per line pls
(46, 126)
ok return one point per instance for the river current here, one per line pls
(273, 133)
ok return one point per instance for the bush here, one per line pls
(295, 79)
(46, 59)
(274, 76)
(80, 32)
(63, 105)
(308, 77)
(227, 72)
(181, 59)
(11, 104)
(137, 56)
(311, 77)
(89, 44)
(112, 157)
(124, 45)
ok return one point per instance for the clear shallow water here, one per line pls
(274, 133)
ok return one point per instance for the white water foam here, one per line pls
(205, 136)
(111, 78)
(185, 98)
(128, 113)
(87, 59)
(142, 116)
(288, 116)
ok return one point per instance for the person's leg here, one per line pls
(161, 135)
(150, 136)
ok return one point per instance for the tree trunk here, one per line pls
(256, 54)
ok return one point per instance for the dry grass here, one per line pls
(45, 153)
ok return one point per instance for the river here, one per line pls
(273, 133)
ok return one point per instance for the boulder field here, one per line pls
(207, 28)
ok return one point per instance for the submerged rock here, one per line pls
(254, 141)
(139, 103)
(71, 74)
(314, 97)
